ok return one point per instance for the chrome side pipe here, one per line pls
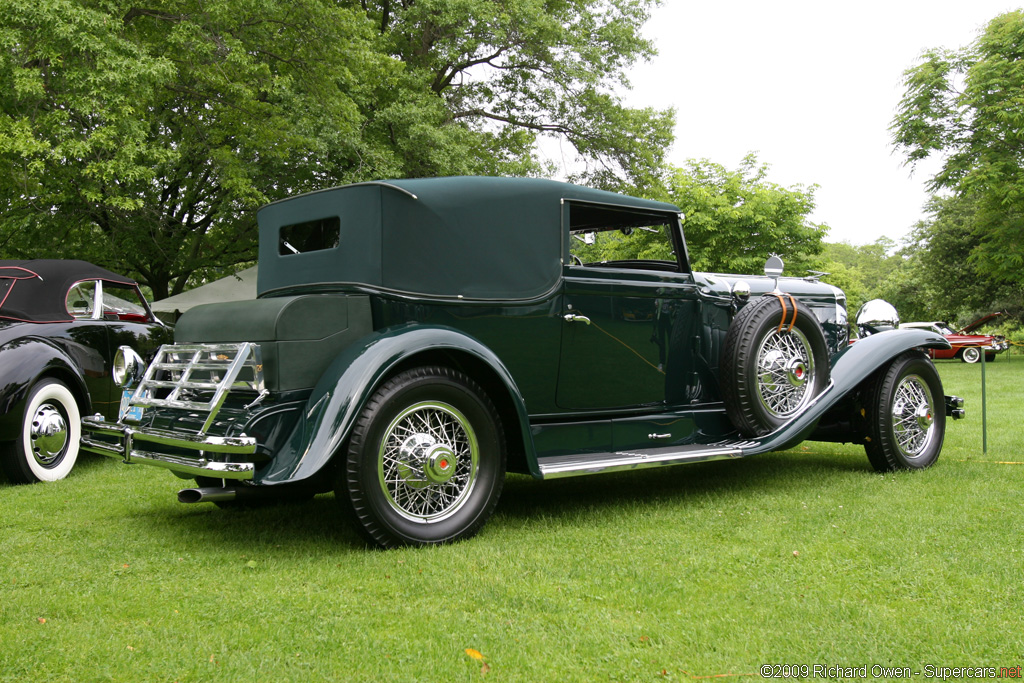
(223, 494)
(208, 494)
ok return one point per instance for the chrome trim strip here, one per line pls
(199, 468)
(596, 463)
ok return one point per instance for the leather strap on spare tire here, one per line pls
(774, 362)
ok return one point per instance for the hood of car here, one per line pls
(980, 321)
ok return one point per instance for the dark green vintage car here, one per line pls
(413, 340)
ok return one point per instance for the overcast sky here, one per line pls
(811, 87)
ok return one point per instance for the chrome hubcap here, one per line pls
(49, 435)
(428, 461)
(423, 461)
(912, 416)
(796, 372)
(785, 372)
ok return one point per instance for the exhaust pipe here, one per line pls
(222, 494)
(207, 494)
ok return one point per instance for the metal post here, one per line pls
(984, 417)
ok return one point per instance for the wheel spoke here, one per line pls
(912, 408)
(428, 461)
(785, 372)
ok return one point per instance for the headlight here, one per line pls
(128, 367)
(877, 316)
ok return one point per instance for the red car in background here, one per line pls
(967, 347)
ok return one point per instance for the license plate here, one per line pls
(126, 412)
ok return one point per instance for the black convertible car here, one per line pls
(61, 323)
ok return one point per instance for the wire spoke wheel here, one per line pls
(904, 416)
(785, 372)
(428, 461)
(774, 363)
(913, 416)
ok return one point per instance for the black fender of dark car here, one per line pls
(350, 380)
(850, 368)
(25, 361)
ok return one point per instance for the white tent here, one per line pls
(238, 287)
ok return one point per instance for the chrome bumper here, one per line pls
(199, 466)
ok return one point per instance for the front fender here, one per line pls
(25, 361)
(348, 382)
(850, 368)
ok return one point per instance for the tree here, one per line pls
(937, 280)
(967, 106)
(735, 219)
(859, 270)
(144, 138)
(518, 69)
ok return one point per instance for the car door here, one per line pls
(631, 322)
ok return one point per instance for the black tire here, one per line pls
(48, 445)
(970, 354)
(426, 460)
(772, 366)
(905, 413)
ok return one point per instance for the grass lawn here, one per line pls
(800, 558)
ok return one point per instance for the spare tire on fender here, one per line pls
(774, 362)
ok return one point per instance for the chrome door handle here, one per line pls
(573, 318)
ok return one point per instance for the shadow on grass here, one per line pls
(724, 479)
(319, 523)
(87, 462)
(320, 526)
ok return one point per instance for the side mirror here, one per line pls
(773, 266)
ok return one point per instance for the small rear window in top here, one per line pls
(318, 235)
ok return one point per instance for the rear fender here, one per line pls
(352, 377)
(850, 368)
(25, 362)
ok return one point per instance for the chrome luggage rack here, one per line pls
(211, 369)
(200, 377)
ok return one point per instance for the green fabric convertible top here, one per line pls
(470, 237)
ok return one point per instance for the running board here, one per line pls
(596, 463)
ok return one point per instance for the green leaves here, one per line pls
(967, 106)
(736, 219)
(529, 68)
(145, 137)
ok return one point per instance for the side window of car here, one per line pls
(123, 303)
(81, 300)
(632, 246)
(608, 236)
(300, 238)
